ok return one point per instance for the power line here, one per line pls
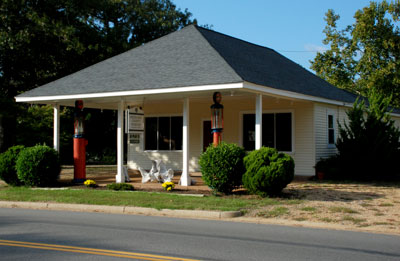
(283, 51)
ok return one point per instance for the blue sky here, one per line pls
(283, 25)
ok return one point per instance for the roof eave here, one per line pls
(188, 89)
(292, 95)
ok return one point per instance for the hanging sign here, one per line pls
(136, 119)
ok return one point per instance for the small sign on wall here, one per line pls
(135, 120)
(135, 137)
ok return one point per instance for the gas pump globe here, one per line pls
(79, 143)
(217, 118)
(79, 129)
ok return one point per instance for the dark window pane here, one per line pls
(249, 121)
(151, 134)
(330, 121)
(164, 133)
(331, 136)
(176, 133)
(283, 131)
(268, 130)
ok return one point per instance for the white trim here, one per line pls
(335, 128)
(238, 85)
(185, 177)
(292, 111)
(258, 121)
(289, 94)
(56, 127)
(120, 178)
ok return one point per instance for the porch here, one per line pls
(105, 174)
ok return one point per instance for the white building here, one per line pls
(268, 99)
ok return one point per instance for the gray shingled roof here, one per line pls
(192, 56)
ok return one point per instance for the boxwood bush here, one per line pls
(8, 160)
(267, 171)
(222, 167)
(38, 166)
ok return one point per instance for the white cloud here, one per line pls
(315, 48)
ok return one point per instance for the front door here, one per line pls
(207, 135)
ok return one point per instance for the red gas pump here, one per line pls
(79, 143)
(217, 118)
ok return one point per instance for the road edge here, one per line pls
(203, 214)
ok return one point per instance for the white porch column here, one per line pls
(185, 178)
(56, 127)
(258, 121)
(120, 144)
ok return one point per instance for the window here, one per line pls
(276, 131)
(331, 130)
(163, 133)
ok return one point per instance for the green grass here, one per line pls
(138, 199)
(382, 223)
(386, 205)
(309, 209)
(343, 210)
(328, 220)
(276, 212)
(355, 221)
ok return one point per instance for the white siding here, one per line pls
(322, 148)
(304, 140)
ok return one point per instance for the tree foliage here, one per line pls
(369, 144)
(42, 40)
(363, 55)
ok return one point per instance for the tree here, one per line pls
(369, 144)
(366, 54)
(42, 40)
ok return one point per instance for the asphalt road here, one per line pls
(58, 235)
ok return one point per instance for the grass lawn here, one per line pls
(137, 199)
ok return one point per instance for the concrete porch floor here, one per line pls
(105, 174)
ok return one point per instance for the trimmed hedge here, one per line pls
(267, 171)
(8, 171)
(222, 167)
(38, 166)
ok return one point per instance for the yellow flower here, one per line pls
(168, 185)
(89, 183)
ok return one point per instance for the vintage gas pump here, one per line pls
(79, 143)
(217, 118)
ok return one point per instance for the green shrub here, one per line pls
(369, 143)
(222, 167)
(267, 171)
(38, 166)
(120, 186)
(8, 171)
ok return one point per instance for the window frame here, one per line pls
(293, 130)
(160, 116)
(332, 113)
